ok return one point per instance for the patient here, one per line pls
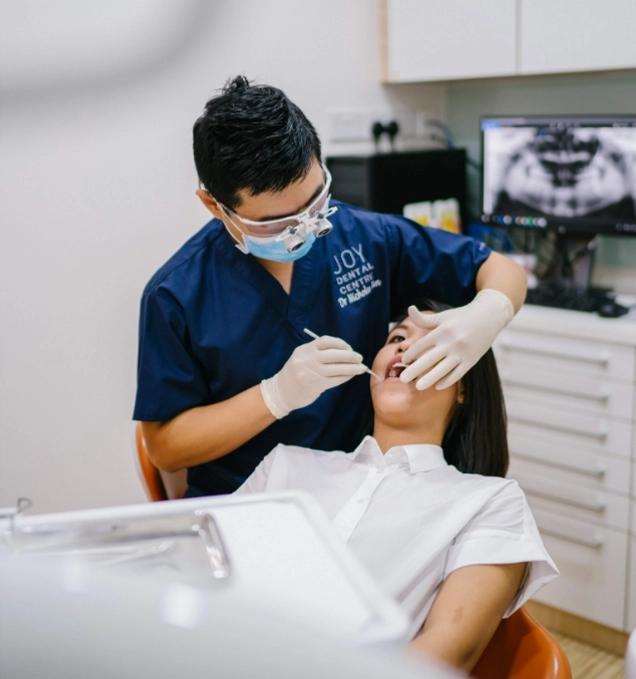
(424, 505)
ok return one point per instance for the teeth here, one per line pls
(394, 372)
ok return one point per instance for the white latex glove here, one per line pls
(458, 338)
(311, 369)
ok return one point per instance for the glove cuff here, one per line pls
(498, 303)
(272, 399)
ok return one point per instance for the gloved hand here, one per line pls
(458, 338)
(311, 369)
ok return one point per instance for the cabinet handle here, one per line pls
(599, 359)
(214, 546)
(594, 544)
(597, 507)
(597, 473)
(601, 397)
(600, 433)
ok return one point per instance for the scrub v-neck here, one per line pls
(291, 306)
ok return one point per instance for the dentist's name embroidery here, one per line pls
(354, 275)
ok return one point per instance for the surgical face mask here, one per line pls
(275, 248)
(289, 238)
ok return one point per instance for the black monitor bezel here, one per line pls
(568, 225)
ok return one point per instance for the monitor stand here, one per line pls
(568, 284)
(574, 261)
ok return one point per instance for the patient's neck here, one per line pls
(389, 434)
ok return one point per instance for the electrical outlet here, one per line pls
(355, 124)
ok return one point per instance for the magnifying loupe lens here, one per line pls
(323, 227)
(294, 243)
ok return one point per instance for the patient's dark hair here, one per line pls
(252, 137)
(476, 441)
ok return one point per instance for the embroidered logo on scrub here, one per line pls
(354, 276)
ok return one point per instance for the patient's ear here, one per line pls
(460, 393)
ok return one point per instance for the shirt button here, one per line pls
(360, 501)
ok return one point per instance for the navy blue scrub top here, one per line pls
(214, 323)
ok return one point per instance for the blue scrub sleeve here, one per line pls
(169, 379)
(432, 263)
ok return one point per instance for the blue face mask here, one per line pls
(275, 249)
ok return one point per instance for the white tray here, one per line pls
(276, 551)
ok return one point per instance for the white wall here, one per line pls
(97, 191)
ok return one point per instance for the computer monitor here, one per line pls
(574, 174)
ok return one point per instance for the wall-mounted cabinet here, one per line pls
(433, 40)
(565, 36)
(441, 40)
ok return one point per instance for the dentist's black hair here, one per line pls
(253, 138)
(476, 441)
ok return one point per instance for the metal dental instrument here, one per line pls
(313, 334)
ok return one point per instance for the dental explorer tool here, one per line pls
(313, 334)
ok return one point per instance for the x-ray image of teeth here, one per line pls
(565, 171)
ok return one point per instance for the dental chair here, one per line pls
(157, 484)
(521, 648)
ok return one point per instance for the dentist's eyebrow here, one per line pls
(314, 195)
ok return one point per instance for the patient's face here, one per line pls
(392, 397)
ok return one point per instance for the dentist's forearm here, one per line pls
(502, 274)
(207, 432)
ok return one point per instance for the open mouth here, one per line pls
(394, 370)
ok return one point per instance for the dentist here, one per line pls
(225, 371)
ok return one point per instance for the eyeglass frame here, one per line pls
(304, 217)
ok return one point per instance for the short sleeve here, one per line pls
(432, 263)
(256, 482)
(504, 531)
(169, 379)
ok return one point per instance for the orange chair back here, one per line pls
(149, 474)
(521, 648)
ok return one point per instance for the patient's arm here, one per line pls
(466, 612)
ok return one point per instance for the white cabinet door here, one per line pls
(593, 565)
(571, 429)
(545, 353)
(441, 40)
(560, 36)
(587, 467)
(593, 507)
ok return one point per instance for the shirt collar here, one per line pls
(424, 457)
(421, 457)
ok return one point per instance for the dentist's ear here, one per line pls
(210, 203)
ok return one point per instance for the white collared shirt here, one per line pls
(411, 518)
